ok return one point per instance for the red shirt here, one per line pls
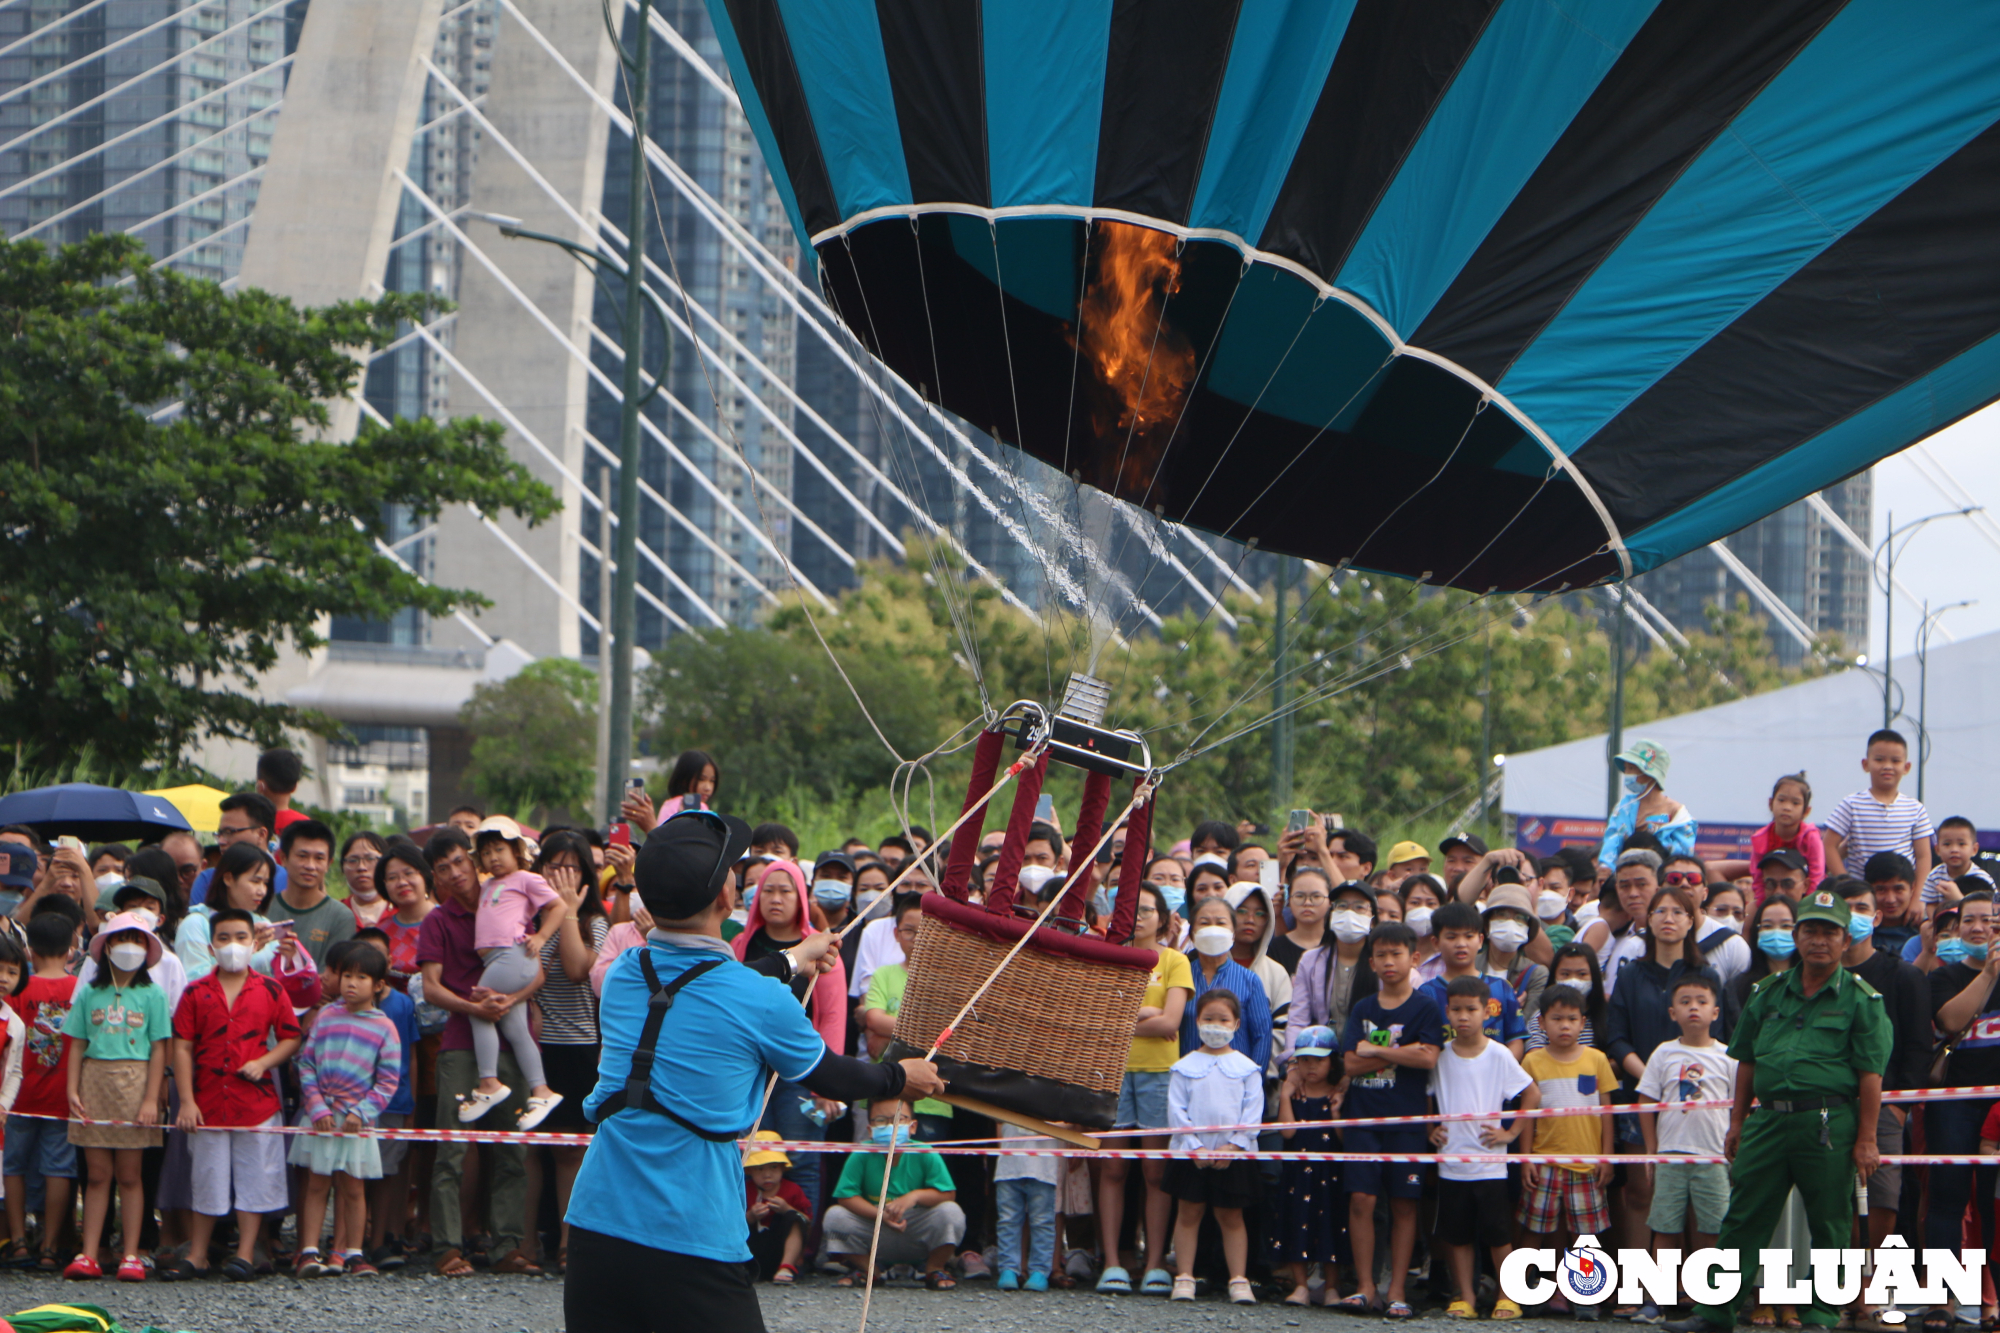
(226, 1038)
(43, 1004)
(286, 818)
(402, 949)
(787, 1191)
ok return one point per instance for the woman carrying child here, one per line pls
(509, 901)
(1215, 1085)
(119, 1026)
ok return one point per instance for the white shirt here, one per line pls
(1867, 826)
(877, 950)
(1469, 1086)
(1677, 1072)
(1014, 1166)
(1225, 1089)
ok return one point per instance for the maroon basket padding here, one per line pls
(1007, 870)
(1089, 828)
(1007, 929)
(965, 843)
(1132, 870)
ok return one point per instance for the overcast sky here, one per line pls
(1953, 558)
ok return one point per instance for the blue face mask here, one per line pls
(1176, 896)
(1974, 953)
(1952, 950)
(1634, 784)
(831, 893)
(1860, 927)
(898, 1134)
(1777, 943)
(1100, 903)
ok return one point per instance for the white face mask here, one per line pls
(1213, 941)
(367, 895)
(1215, 1036)
(1348, 925)
(147, 915)
(1550, 905)
(867, 898)
(1419, 920)
(232, 957)
(127, 957)
(1507, 936)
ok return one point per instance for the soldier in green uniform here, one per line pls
(1813, 1042)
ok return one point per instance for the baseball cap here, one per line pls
(841, 859)
(1315, 1040)
(1785, 857)
(685, 861)
(21, 863)
(1472, 842)
(1823, 905)
(766, 1156)
(1407, 851)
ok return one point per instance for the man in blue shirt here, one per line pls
(658, 1238)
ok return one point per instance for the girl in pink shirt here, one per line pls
(509, 901)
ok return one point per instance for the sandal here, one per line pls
(1301, 1296)
(1788, 1317)
(1460, 1310)
(1114, 1280)
(179, 1270)
(451, 1263)
(536, 1111)
(1937, 1321)
(17, 1255)
(787, 1274)
(1763, 1317)
(1355, 1304)
(1506, 1309)
(518, 1262)
(238, 1271)
(1157, 1282)
(939, 1280)
(1399, 1310)
(475, 1104)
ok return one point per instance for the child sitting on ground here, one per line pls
(1214, 1085)
(509, 900)
(1475, 1075)
(777, 1210)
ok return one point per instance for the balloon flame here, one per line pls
(1145, 365)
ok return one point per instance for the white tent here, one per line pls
(1726, 758)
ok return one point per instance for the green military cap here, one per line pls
(1823, 905)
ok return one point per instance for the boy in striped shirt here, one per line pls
(1880, 819)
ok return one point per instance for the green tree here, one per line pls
(534, 740)
(160, 558)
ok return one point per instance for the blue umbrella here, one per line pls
(93, 813)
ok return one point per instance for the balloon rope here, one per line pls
(1145, 789)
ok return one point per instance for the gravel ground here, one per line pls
(424, 1304)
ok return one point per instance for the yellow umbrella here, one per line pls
(200, 806)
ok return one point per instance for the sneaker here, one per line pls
(387, 1256)
(1240, 1292)
(307, 1264)
(900, 1273)
(475, 1104)
(1647, 1313)
(131, 1270)
(1183, 1289)
(1008, 1280)
(357, 1265)
(1037, 1282)
(82, 1268)
(972, 1265)
(1587, 1313)
(1080, 1265)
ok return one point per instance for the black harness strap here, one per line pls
(638, 1092)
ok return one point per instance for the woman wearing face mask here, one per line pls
(1256, 927)
(360, 858)
(1646, 805)
(1510, 924)
(1214, 936)
(1332, 977)
(1963, 991)
(1423, 894)
(1769, 933)
(782, 919)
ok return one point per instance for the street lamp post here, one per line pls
(1930, 620)
(1888, 586)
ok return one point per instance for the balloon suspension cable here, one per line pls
(1144, 792)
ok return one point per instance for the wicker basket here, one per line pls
(1051, 1036)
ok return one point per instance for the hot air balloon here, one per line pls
(1545, 295)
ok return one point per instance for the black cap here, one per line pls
(841, 859)
(685, 861)
(1472, 842)
(1785, 857)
